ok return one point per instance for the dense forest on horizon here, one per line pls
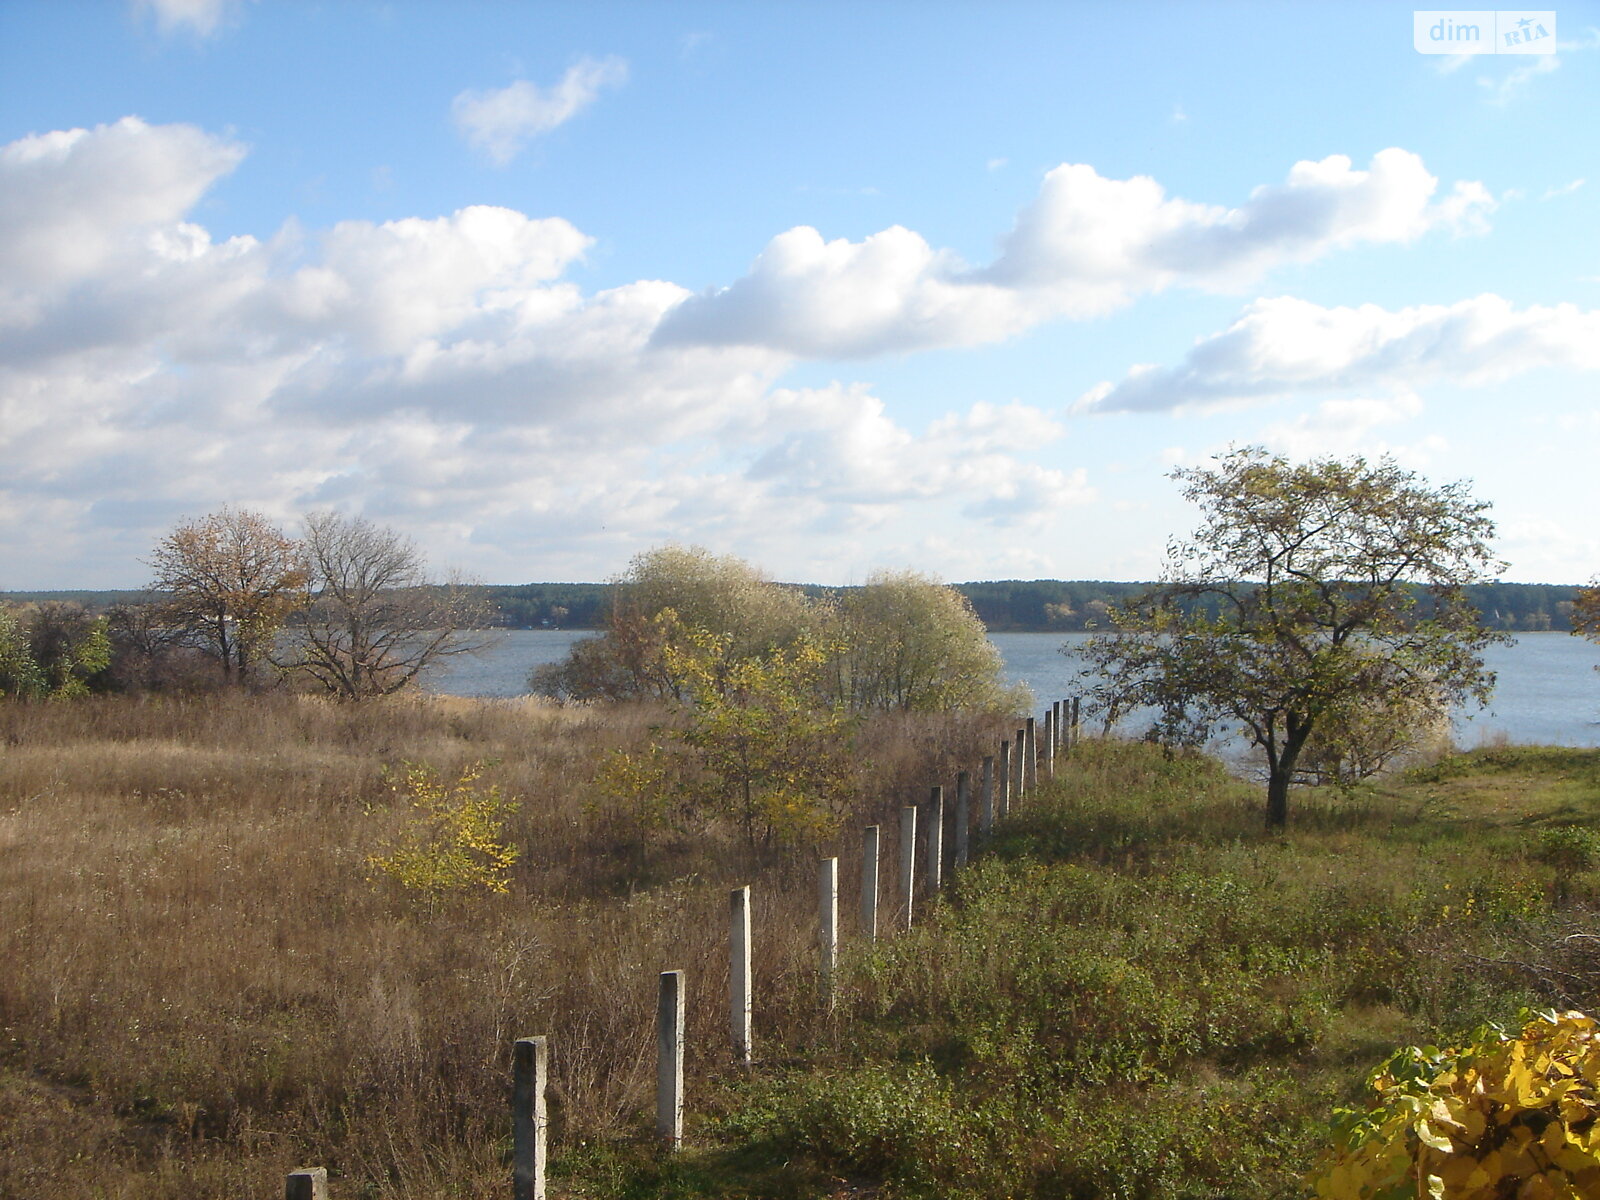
(1004, 606)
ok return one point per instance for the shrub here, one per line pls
(1502, 1116)
(452, 843)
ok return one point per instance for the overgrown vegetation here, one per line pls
(1134, 992)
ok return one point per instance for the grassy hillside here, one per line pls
(1136, 992)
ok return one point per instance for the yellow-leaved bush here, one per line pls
(1502, 1117)
(454, 841)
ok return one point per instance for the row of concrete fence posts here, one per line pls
(739, 985)
(908, 861)
(963, 817)
(1001, 789)
(828, 925)
(869, 882)
(530, 1069)
(669, 1060)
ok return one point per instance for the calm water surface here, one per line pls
(1548, 691)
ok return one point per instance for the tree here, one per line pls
(229, 579)
(371, 621)
(1295, 606)
(71, 647)
(722, 594)
(20, 675)
(755, 745)
(1586, 612)
(906, 641)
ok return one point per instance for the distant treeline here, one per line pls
(1004, 606)
(1019, 606)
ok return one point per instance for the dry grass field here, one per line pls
(204, 987)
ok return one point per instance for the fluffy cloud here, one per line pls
(1086, 245)
(201, 17)
(501, 121)
(442, 374)
(1284, 345)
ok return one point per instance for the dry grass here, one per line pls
(203, 989)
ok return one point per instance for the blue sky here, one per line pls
(940, 285)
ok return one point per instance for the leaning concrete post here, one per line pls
(908, 860)
(870, 838)
(1049, 744)
(986, 802)
(963, 816)
(828, 925)
(1032, 756)
(935, 840)
(530, 1072)
(309, 1183)
(1005, 778)
(669, 1060)
(1019, 767)
(739, 1004)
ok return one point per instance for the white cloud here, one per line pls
(1505, 89)
(501, 121)
(1285, 345)
(1085, 246)
(201, 17)
(1565, 189)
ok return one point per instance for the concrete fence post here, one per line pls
(1032, 755)
(828, 925)
(986, 801)
(1060, 742)
(1019, 767)
(935, 843)
(1076, 717)
(963, 817)
(908, 860)
(530, 1076)
(870, 839)
(1005, 778)
(739, 980)
(669, 1060)
(308, 1183)
(1049, 744)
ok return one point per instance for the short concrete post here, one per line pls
(669, 1060)
(530, 1075)
(309, 1183)
(828, 925)
(739, 997)
(1049, 744)
(935, 840)
(1031, 757)
(1019, 767)
(1005, 778)
(963, 817)
(870, 839)
(986, 803)
(908, 860)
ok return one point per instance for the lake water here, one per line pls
(1548, 691)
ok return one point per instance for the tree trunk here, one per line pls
(1278, 795)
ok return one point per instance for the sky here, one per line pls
(950, 287)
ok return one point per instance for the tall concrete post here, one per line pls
(1005, 778)
(935, 841)
(828, 925)
(1049, 744)
(963, 817)
(986, 803)
(1032, 755)
(308, 1183)
(1055, 709)
(908, 861)
(1019, 767)
(669, 1060)
(530, 1076)
(870, 839)
(740, 1002)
